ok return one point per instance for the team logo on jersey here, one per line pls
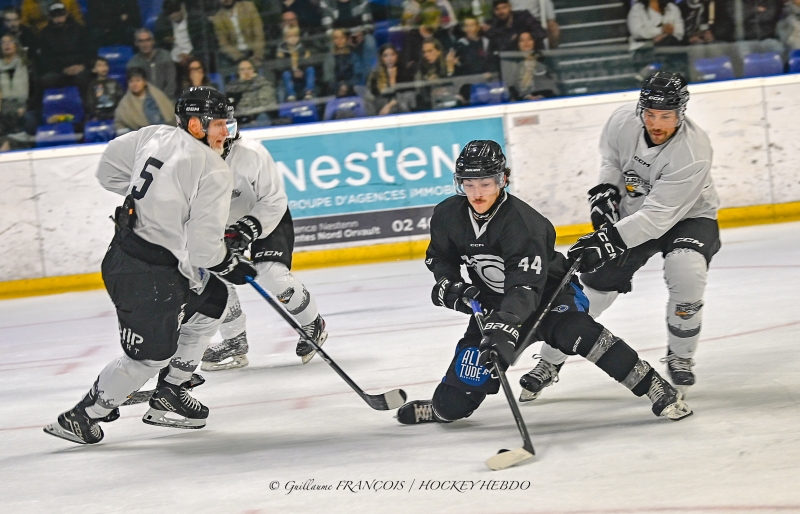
(468, 370)
(490, 269)
(688, 310)
(236, 193)
(636, 185)
(560, 308)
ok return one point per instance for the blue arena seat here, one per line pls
(299, 112)
(62, 101)
(216, 81)
(794, 61)
(492, 93)
(99, 131)
(714, 68)
(117, 57)
(763, 65)
(55, 135)
(347, 107)
(150, 10)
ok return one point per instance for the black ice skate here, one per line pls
(417, 411)
(316, 331)
(680, 371)
(185, 411)
(76, 426)
(229, 354)
(667, 401)
(532, 382)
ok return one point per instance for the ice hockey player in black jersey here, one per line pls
(508, 249)
(168, 238)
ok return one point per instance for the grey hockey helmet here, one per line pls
(480, 158)
(664, 91)
(206, 104)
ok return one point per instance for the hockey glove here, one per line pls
(234, 269)
(454, 295)
(597, 248)
(604, 199)
(242, 233)
(500, 336)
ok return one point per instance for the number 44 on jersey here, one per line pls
(536, 264)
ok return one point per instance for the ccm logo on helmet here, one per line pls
(192, 108)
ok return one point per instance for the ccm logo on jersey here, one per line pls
(635, 158)
(268, 253)
(688, 240)
(505, 328)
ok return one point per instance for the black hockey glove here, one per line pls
(234, 268)
(452, 295)
(597, 248)
(242, 233)
(500, 335)
(604, 199)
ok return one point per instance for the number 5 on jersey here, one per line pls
(138, 194)
(536, 264)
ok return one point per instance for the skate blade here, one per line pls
(677, 411)
(527, 396)
(237, 361)
(159, 418)
(57, 430)
(507, 459)
(306, 358)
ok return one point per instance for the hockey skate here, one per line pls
(417, 411)
(680, 371)
(76, 426)
(173, 406)
(532, 382)
(229, 354)
(667, 401)
(316, 331)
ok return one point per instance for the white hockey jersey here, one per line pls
(182, 190)
(257, 187)
(660, 186)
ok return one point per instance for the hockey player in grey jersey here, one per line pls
(655, 195)
(169, 236)
(260, 220)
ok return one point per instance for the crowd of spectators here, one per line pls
(263, 53)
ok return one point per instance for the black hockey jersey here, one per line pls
(511, 258)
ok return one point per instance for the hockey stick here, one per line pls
(387, 401)
(529, 339)
(506, 458)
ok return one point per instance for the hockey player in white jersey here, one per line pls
(655, 195)
(169, 235)
(260, 219)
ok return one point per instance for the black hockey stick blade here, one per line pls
(143, 396)
(390, 400)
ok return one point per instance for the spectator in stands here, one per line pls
(412, 12)
(697, 21)
(143, 104)
(345, 13)
(253, 95)
(159, 69)
(13, 87)
(506, 26)
(549, 16)
(480, 9)
(240, 34)
(759, 17)
(65, 51)
(434, 66)
(12, 26)
(382, 82)
(36, 13)
(430, 27)
(659, 21)
(186, 33)
(340, 67)
(528, 78)
(300, 74)
(103, 95)
(789, 27)
(196, 75)
(473, 51)
(308, 15)
(113, 23)
(364, 49)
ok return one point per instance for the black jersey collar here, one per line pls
(481, 221)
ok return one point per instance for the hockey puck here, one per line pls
(503, 451)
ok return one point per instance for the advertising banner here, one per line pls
(372, 184)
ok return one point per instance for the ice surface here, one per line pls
(599, 448)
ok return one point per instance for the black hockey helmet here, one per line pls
(481, 158)
(206, 104)
(664, 91)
